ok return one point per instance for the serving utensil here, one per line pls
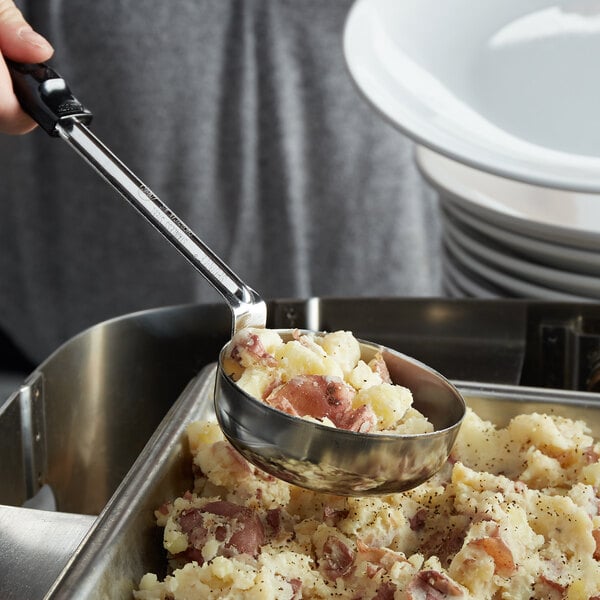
(296, 450)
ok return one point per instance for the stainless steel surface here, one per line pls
(337, 461)
(13, 486)
(23, 435)
(35, 546)
(105, 392)
(247, 308)
(124, 541)
(33, 428)
(500, 403)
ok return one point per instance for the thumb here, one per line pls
(18, 40)
(20, 43)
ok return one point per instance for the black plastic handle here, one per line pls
(45, 96)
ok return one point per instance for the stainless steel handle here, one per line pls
(46, 97)
(248, 308)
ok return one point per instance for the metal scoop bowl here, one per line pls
(337, 461)
(302, 452)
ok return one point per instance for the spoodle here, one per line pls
(296, 450)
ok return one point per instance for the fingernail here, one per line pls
(31, 37)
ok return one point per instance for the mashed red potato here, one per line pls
(322, 377)
(513, 514)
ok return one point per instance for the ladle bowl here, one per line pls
(296, 450)
(326, 459)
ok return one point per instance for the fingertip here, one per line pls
(22, 44)
(32, 39)
(31, 46)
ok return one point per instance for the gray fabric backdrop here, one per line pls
(239, 114)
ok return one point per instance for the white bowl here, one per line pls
(510, 87)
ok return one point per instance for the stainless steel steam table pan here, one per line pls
(124, 543)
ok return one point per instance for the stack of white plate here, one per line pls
(500, 93)
(504, 238)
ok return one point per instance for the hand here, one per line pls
(18, 42)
